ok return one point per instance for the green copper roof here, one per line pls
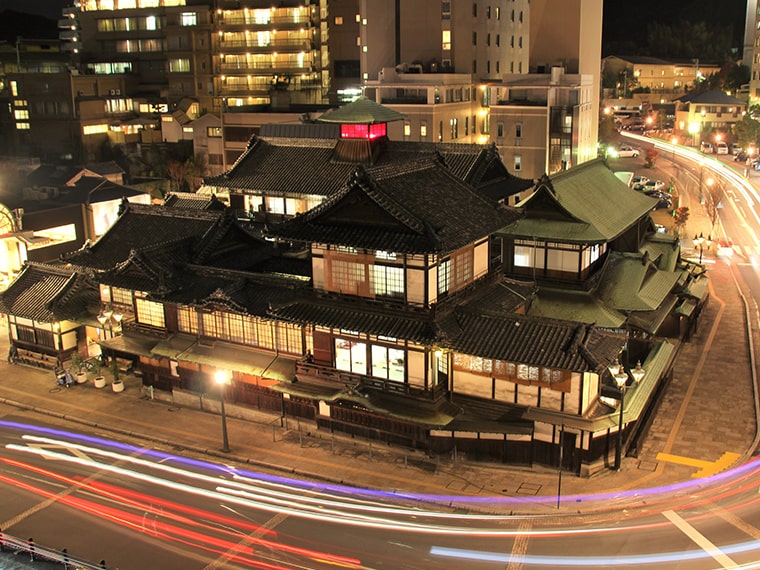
(585, 204)
(363, 111)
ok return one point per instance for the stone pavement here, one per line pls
(706, 420)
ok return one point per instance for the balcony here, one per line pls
(281, 22)
(254, 46)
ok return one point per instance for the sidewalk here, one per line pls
(702, 421)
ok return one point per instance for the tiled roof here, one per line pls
(191, 200)
(244, 293)
(411, 207)
(631, 282)
(536, 341)
(202, 236)
(47, 293)
(362, 111)
(585, 204)
(712, 97)
(285, 166)
(575, 306)
(324, 165)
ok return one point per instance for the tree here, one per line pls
(680, 217)
(651, 157)
(176, 172)
(747, 130)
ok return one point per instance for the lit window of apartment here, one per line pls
(518, 163)
(364, 49)
(14, 88)
(358, 40)
(440, 131)
(423, 129)
(454, 125)
(358, 18)
(188, 19)
(446, 40)
(338, 20)
(179, 65)
(407, 129)
(214, 132)
(95, 129)
(187, 130)
(151, 23)
(23, 126)
(498, 13)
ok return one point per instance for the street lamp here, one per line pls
(702, 243)
(621, 379)
(222, 378)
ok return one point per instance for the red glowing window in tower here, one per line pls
(363, 131)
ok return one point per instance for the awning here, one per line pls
(186, 348)
(140, 346)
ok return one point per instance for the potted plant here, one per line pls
(77, 363)
(100, 380)
(117, 385)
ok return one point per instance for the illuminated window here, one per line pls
(214, 132)
(94, 129)
(179, 65)
(23, 126)
(14, 88)
(187, 320)
(149, 313)
(151, 23)
(423, 130)
(446, 39)
(338, 20)
(188, 19)
(21, 114)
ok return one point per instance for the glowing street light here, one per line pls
(222, 377)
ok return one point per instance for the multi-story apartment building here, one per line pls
(519, 66)
(751, 55)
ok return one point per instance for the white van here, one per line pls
(721, 148)
(706, 147)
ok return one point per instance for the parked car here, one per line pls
(706, 147)
(721, 148)
(625, 151)
(654, 185)
(664, 199)
(638, 182)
